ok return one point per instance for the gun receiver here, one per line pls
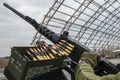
(104, 65)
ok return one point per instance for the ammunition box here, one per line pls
(20, 68)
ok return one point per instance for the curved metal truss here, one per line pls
(94, 23)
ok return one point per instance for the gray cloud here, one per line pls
(13, 30)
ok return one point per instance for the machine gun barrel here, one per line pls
(41, 29)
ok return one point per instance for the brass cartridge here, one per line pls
(35, 53)
(31, 56)
(27, 58)
(66, 46)
(49, 53)
(42, 55)
(59, 50)
(38, 54)
(63, 41)
(44, 52)
(50, 49)
(62, 49)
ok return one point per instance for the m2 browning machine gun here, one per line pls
(104, 67)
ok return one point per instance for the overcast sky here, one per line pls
(13, 30)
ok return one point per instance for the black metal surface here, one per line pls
(109, 67)
(55, 75)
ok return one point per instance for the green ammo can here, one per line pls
(19, 68)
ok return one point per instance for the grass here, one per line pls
(3, 62)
